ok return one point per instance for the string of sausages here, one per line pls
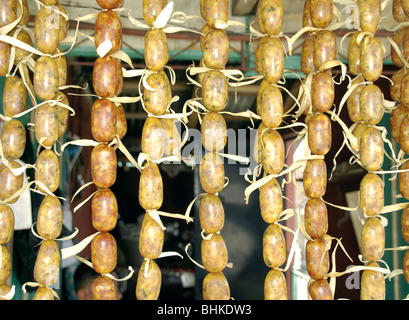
(107, 123)
(399, 115)
(321, 47)
(155, 102)
(13, 135)
(215, 48)
(270, 144)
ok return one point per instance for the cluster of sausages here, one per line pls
(50, 121)
(107, 122)
(399, 115)
(366, 109)
(155, 143)
(318, 48)
(270, 144)
(13, 135)
(366, 63)
(215, 48)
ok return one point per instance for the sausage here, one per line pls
(405, 266)
(370, 12)
(321, 13)
(398, 13)
(371, 190)
(13, 139)
(271, 106)
(306, 17)
(372, 284)
(104, 209)
(372, 59)
(273, 60)
(405, 224)
(354, 55)
(121, 124)
(316, 218)
(214, 132)
(103, 166)
(315, 178)
(50, 218)
(43, 293)
(325, 47)
(270, 16)
(46, 124)
(61, 62)
(104, 253)
(322, 91)
(317, 258)
(104, 120)
(373, 239)
(275, 286)
(213, 10)
(371, 104)
(372, 156)
(216, 49)
(152, 9)
(151, 238)
(319, 134)
(403, 134)
(4, 58)
(45, 78)
(108, 26)
(274, 248)
(320, 290)
(307, 55)
(148, 288)
(10, 183)
(46, 30)
(404, 180)
(211, 214)
(273, 151)
(151, 188)
(211, 173)
(14, 96)
(215, 91)
(156, 49)
(395, 87)
(395, 122)
(19, 53)
(5, 265)
(153, 138)
(103, 288)
(110, 4)
(8, 12)
(63, 113)
(156, 102)
(398, 39)
(6, 223)
(107, 77)
(215, 287)
(172, 136)
(47, 265)
(271, 201)
(353, 101)
(214, 253)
